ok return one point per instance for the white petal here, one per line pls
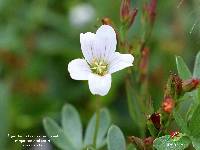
(120, 61)
(79, 69)
(99, 85)
(87, 45)
(105, 42)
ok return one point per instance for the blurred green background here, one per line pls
(38, 38)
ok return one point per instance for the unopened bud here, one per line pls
(125, 9)
(132, 16)
(151, 10)
(106, 21)
(191, 84)
(174, 86)
(148, 140)
(177, 81)
(137, 141)
(155, 118)
(168, 105)
(127, 15)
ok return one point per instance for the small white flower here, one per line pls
(100, 61)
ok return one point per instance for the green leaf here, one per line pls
(104, 123)
(185, 73)
(153, 131)
(167, 143)
(180, 122)
(194, 124)
(131, 147)
(72, 125)
(115, 139)
(182, 68)
(52, 129)
(196, 72)
(198, 94)
(89, 148)
(192, 108)
(4, 109)
(136, 108)
(196, 143)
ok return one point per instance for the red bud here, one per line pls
(133, 14)
(155, 118)
(177, 83)
(151, 10)
(152, 7)
(168, 105)
(125, 9)
(127, 15)
(173, 86)
(191, 84)
(148, 140)
(174, 134)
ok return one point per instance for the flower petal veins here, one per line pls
(100, 61)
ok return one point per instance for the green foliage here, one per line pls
(115, 139)
(72, 126)
(196, 72)
(4, 108)
(196, 143)
(194, 127)
(52, 129)
(194, 124)
(135, 107)
(153, 131)
(185, 74)
(70, 135)
(104, 124)
(131, 147)
(182, 68)
(167, 143)
(180, 122)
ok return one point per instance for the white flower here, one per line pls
(100, 60)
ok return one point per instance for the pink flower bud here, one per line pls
(151, 10)
(127, 15)
(191, 84)
(125, 9)
(168, 105)
(132, 16)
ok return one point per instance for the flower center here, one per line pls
(99, 67)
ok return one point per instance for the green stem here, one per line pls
(135, 112)
(167, 125)
(123, 37)
(96, 128)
